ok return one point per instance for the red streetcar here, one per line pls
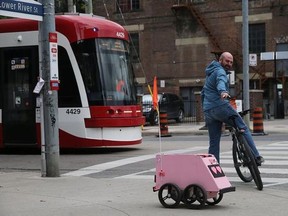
(93, 56)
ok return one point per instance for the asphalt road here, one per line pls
(123, 161)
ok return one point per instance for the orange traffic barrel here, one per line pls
(164, 124)
(258, 128)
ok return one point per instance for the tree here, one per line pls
(62, 6)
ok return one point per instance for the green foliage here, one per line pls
(80, 5)
(61, 6)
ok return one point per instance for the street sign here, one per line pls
(54, 80)
(27, 9)
(253, 59)
(266, 56)
(280, 55)
(232, 77)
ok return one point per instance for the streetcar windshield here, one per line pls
(106, 71)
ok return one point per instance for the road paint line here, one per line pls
(113, 164)
(273, 148)
(266, 181)
(276, 184)
(267, 162)
(262, 170)
(138, 175)
(267, 157)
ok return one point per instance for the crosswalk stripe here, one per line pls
(267, 157)
(275, 154)
(113, 164)
(267, 162)
(280, 143)
(262, 170)
(264, 180)
(273, 148)
(231, 179)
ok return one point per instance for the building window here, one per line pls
(127, 5)
(134, 47)
(257, 39)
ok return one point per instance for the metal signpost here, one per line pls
(49, 72)
(43, 11)
(245, 44)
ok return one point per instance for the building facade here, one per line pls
(176, 39)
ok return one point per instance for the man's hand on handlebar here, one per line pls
(225, 95)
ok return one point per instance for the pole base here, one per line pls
(259, 134)
(164, 135)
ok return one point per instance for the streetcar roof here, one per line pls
(74, 27)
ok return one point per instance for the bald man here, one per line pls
(217, 109)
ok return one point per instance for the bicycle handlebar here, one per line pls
(243, 112)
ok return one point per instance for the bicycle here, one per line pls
(244, 161)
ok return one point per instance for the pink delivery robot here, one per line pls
(194, 179)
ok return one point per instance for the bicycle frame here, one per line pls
(243, 158)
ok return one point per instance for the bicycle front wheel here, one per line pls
(251, 162)
(240, 161)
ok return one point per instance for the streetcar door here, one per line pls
(18, 74)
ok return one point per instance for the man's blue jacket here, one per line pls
(216, 82)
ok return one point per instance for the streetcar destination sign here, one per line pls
(27, 9)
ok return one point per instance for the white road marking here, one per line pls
(262, 170)
(274, 154)
(267, 162)
(273, 158)
(113, 164)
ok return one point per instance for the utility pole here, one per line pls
(49, 73)
(245, 44)
(71, 7)
(89, 7)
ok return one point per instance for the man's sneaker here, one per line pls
(259, 160)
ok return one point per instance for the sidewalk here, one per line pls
(28, 194)
(277, 126)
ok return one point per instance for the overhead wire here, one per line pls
(106, 10)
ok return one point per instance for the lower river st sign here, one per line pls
(26, 9)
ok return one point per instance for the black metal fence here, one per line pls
(190, 111)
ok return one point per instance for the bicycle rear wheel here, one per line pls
(251, 162)
(240, 161)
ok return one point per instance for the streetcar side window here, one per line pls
(68, 95)
(87, 60)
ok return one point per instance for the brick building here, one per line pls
(175, 40)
